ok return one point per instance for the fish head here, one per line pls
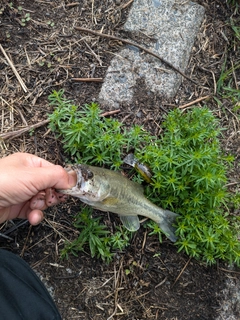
(87, 188)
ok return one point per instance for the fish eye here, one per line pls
(85, 172)
(90, 174)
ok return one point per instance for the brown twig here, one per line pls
(181, 272)
(116, 288)
(213, 76)
(234, 75)
(193, 102)
(124, 6)
(230, 271)
(72, 4)
(87, 79)
(25, 89)
(94, 54)
(14, 134)
(138, 46)
(109, 113)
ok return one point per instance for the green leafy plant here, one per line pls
(120, 239)
(234, 3)
(94, 237)
(19, 11)
(154, 229)
(225, 75)
(189, 177)
(92, 234)
(25, 19)
(90, 138)
(51, 23)
(235, 27)
(227, 86)
(188, 166)
(235, 201)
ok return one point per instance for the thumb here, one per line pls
(54, 177)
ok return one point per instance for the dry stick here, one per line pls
(25, 89)
(72, 4)
(26, 241)
(109, 113)
(138, 46)
(116, 290)
(87, 79)
(124, 6)
(95, 55)
(231, 271)
(193, 102)
(231, 184)
(181, 272)
(14, 134)
(234, 75)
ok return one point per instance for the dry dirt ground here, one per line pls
(48, 52)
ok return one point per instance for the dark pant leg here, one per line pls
(22, 294)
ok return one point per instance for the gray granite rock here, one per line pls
(173, 25)
(230, 305)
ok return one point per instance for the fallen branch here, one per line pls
(231, 271)
(25, 89)
(14, 134)
(109, 113)
(138, 46)
(87, 79)
(124, 6)
(181, 272)
(17, 133)
(193, 102)
(72, 4)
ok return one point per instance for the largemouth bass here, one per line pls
(108, 190)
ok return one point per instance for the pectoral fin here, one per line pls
(130, 222)
(110, 201)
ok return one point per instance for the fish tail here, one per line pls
(166, 225)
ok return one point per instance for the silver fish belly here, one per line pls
(108, 190)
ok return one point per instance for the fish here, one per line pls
(110, 191)
(141, 168)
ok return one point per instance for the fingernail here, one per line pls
(38, 204)
(72, 176)
(35, 217)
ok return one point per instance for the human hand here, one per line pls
(27, 185)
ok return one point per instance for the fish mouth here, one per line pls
(76, 169)
(64, 191)
(84, 174)
(83, 171)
